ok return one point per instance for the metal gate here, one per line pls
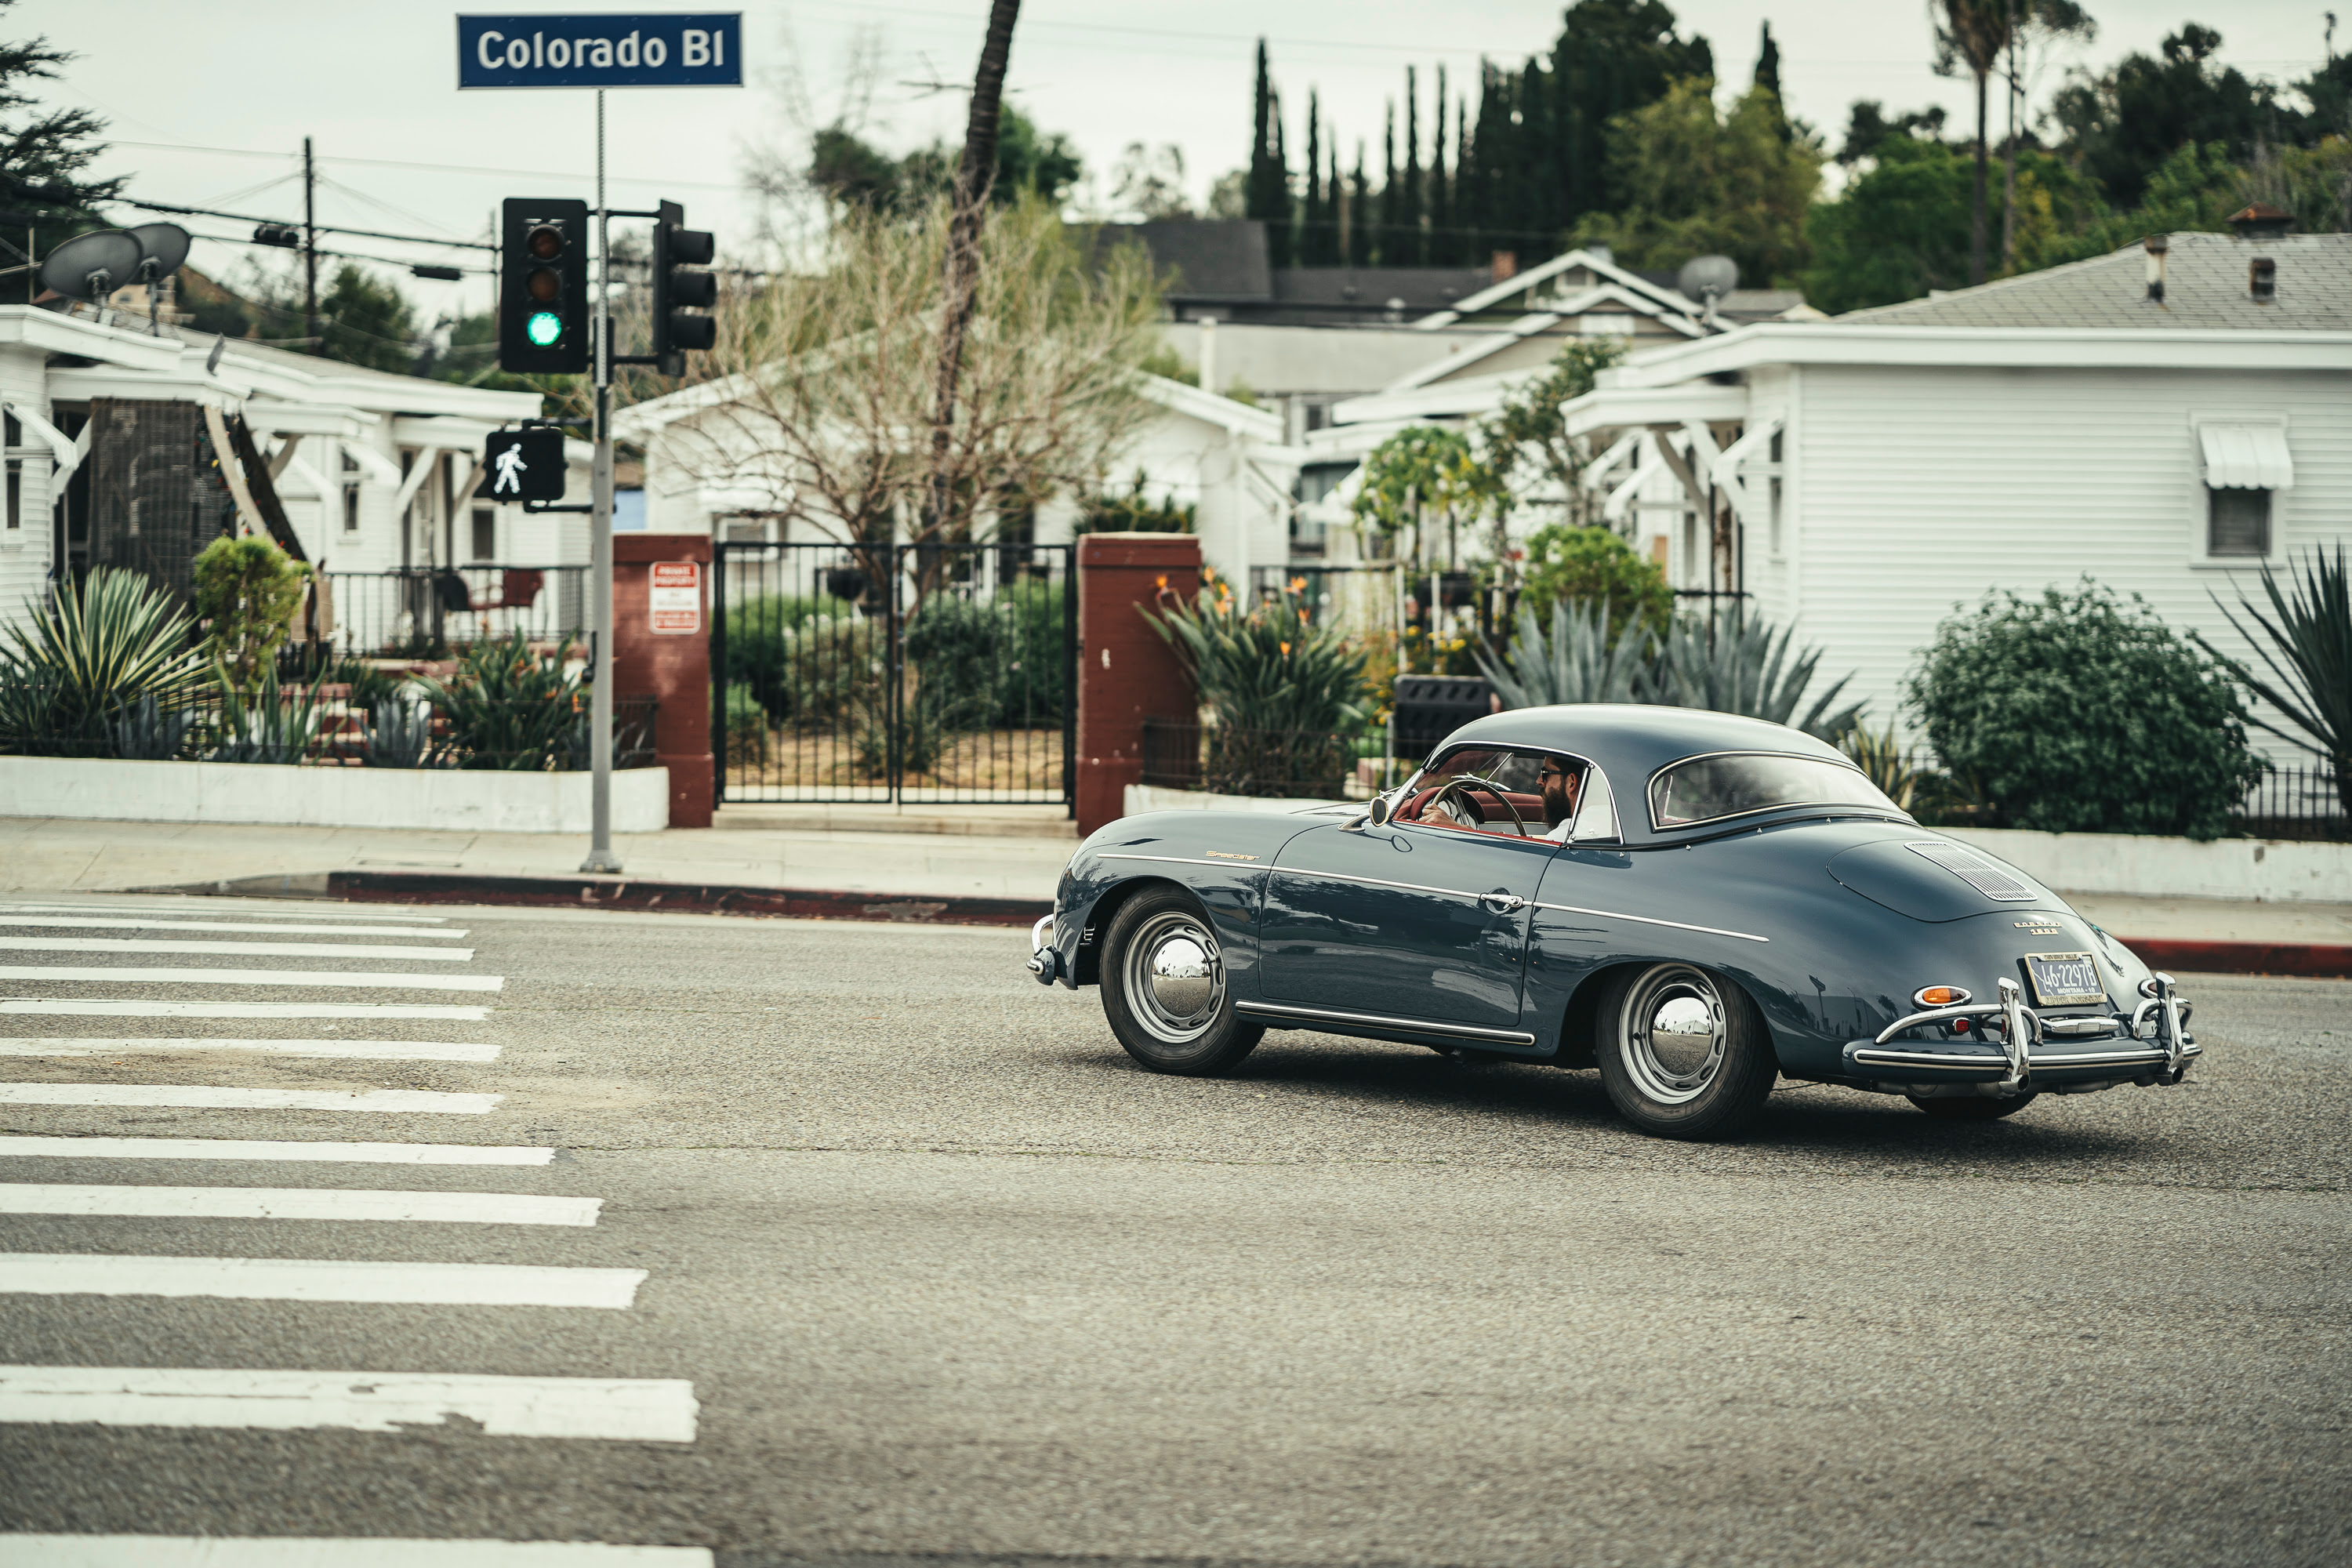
(929, 674)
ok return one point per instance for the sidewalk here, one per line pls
(997, 865)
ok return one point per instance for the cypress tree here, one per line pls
(1388, 251)
(1359, 214)
(1311, 233)
(1415, 242)
(1278, 224)
(1441, 247)
(1259, 192)
(1768, 77)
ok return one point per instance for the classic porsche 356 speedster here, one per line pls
(1694, 904)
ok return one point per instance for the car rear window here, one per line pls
(1708, 789)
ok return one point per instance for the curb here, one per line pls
(2314, 960)
(626, 893)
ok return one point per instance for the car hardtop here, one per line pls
(1630, 742)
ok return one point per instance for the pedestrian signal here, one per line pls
(543, 325)
(523, 465)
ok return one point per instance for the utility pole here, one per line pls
(600, 544)
(309, 250)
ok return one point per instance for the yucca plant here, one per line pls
(90, 651)
(1285, 690)
(1580, 661)
(266, 724)
(1735, 663)
(509, 707)
(2309, 658)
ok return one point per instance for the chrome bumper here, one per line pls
(2164, 1051)
(1042, 959)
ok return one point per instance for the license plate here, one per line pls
(2064, 979)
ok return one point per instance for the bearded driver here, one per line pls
(1558, 779)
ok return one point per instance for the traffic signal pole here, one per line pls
(599, 543)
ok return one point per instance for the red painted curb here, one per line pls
(2316, 959)
(686, 898)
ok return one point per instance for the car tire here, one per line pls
(1708, 1077)
(1973, 1108)
(1164, 989)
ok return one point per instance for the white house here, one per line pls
(376, 471)
(2167, 419)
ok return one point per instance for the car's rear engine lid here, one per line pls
(1934, 879)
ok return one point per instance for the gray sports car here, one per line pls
(1694, 904)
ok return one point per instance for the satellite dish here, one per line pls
(92, 266)
(1708, 278)
(164, 245)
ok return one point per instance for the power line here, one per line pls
(444, 168)
(323, 228)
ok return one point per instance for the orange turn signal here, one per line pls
(1939, 996)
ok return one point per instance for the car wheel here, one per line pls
(1683, 1052)
(1165, 990)
(1973, 1108)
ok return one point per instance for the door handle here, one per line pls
(1501, 903)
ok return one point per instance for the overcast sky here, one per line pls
(208, 106)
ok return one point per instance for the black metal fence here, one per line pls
(2293, 803)
(939, 674)
(326, 726)
(1180, 754)
(429, 612)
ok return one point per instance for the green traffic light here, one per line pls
(544, 329)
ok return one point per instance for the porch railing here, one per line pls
(426, 612)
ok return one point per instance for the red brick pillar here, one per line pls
(1127, 672)
(661, 648)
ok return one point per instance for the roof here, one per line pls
(1210, 260)
(2204, 286)
(1631, 741)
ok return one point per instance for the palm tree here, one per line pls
(1972, 33)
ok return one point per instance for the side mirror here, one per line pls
(1378, 812)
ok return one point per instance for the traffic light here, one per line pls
(679, 292)
(543, 287)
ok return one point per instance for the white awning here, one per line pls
(2251, 456)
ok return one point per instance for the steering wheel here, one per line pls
(1466, 783)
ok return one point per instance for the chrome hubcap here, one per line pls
(1175, 978)
(1673, 1034)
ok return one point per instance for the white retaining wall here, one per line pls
(2247, 871)
(263, 795)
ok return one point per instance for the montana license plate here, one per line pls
(2064, 979)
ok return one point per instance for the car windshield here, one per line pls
(1513, 771)
(1705, 789)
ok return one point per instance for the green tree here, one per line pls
(1973, 34)
(1268, 194)
(2080, 713)
(367, 322)
(1593, 569)
(1526, 441)
(2124, 125)
(853, 172)
(246, 592)
(44, 153)
(1710, 183)
(1613, 59)
(1422, 478)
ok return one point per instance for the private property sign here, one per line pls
(703, 48)
(674, 597)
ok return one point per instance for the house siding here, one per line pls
(1922, 488)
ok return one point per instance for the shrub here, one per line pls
(757, 630)
(2079, 713)
(1133, 512)
(89, 652)
(510, 708)
(1592, 566)
(248, 591)
(1274, 677)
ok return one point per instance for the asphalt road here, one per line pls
(953, 1281)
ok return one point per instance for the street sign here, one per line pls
(687, 48)
(674, 597)
(523, 465)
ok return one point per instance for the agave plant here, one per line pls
(266, 724)
(148, 732)
(400, 735)
(1888, 763)
(1732, 663)
(91, 650)
(2309, 658)
(1578, 662)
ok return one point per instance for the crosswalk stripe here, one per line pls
(141, 1008)
(122, 1200)
(230, 949)
(360, 1551)
(72, 922)
(193, 908)
(317, 1279)
(647, 1410)
(361, 1050)
(299, 1150)
(320, 977)
(207, 1097)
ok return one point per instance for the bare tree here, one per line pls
(968, 210)
(816, 404)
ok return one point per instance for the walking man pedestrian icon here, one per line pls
(511, 468)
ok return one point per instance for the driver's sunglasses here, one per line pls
(1547, 773)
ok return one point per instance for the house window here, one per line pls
(16, 437)
(2237, 522)
(351, 486)
(485, 533)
